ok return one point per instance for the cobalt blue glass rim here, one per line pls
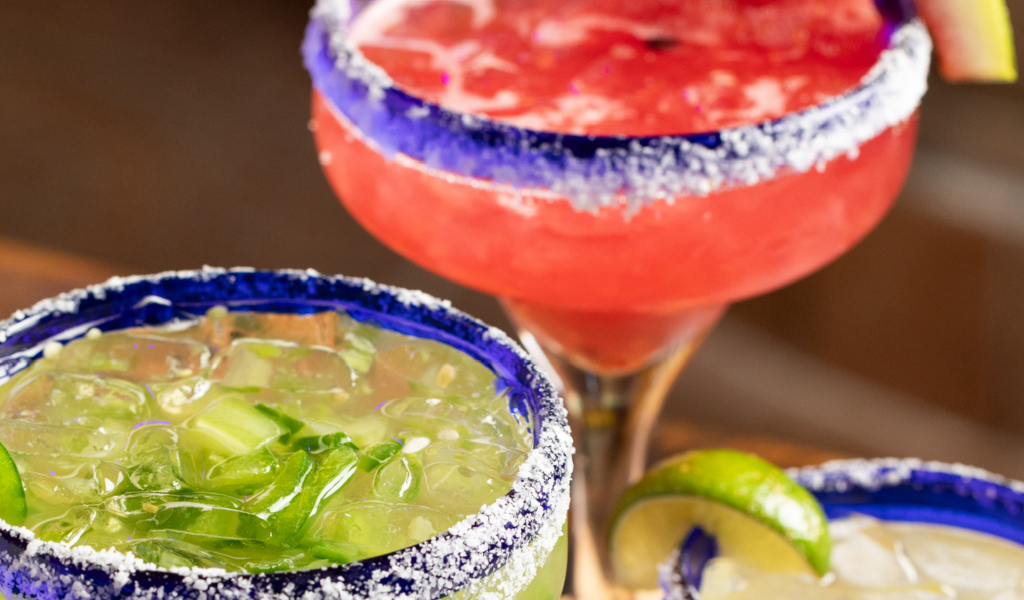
(502, 533)
(919, 491)
(597, 171)
(894, 489)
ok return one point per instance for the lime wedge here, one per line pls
(757, 514)
(974, 39)
(12, 495)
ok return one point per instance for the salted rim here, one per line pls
(516, 533)
(873, 475)
(877, 473)
(597, 171)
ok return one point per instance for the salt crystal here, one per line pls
(52, 350)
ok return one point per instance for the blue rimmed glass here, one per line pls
(512, 548)
(609, 252)
(890, 490)
(598, 171)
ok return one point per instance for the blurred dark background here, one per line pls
(139, 137)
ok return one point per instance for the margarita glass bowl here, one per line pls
(906, 490)
(614, 256)
(512, 548)
(621, 231)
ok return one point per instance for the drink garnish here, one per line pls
(974, 40)
(753, 510)
(12, 494)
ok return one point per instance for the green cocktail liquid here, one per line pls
(257, 442)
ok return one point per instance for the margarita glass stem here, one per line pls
(612, 416)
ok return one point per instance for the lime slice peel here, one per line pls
(13, 508)
(757, 512)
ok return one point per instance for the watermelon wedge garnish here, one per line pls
(974, 39)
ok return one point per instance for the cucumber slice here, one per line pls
(13, 508)
(292, 424)
(248, 372)
(336, 469)
(302, 488)
(232, 426)
(264, 350)
(244, 473)
(378, 454)
(316, 444)
(337, 552)
(287, 486)
(281, 504)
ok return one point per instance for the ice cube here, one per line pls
(56, 490)
(374, 528)
(107, 531)
(460, 488)
(318, 329)
(366, 431)
(149, 441)
(963, 559)
(153, 458)
(107, 478)
(60, 440)
(196, 516)
(55, 397)
(430, 367)
(491, 458)
(358, 352)
(398, 480)
(183, 397)
(251, 364)
(157, 477)
(499, 427)
(866, 554)
(308, 406)
(221, 328)
(146, 504)
(425, 412)
(81, 483)
(170, 553)
(69, 527)
(136, 356)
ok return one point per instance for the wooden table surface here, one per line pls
(30, 273)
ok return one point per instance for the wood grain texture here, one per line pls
(31, 273)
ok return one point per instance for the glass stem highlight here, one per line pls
(612, 417)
